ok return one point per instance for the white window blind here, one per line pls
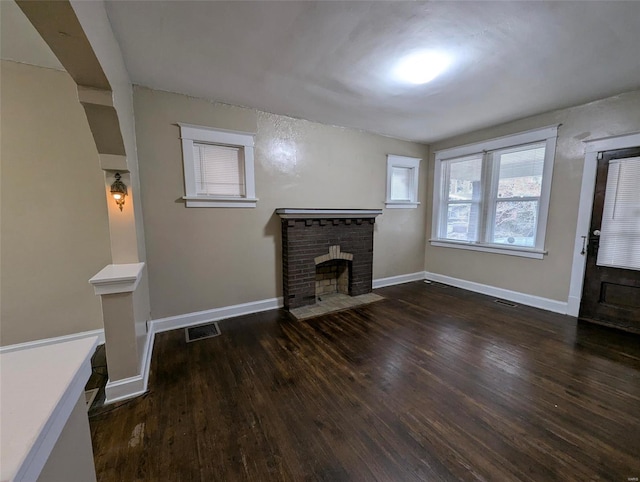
(218, 167)
(219, 170)
(401, 180)
(620, 229)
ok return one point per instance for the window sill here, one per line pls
(491, 248)
(401, 205)
(219, 202)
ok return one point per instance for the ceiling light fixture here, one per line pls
(421, 67)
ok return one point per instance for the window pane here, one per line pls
(620, 230)
(520, 171)
(401, 183)
(460, 221)
(219, 170)
(515, 223)
(464, 179)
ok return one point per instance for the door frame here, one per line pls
(592, 147)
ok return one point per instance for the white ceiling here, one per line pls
(332, 61)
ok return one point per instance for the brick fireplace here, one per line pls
(326, 251)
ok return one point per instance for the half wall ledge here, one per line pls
(117, 278)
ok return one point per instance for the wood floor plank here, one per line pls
(432, 383)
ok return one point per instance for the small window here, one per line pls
(218, 167)
(494, 196)
(402, 181)
(219, 170)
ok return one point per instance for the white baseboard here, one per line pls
(51, 341)
(515, 296)
(125, 388)
(215, 314)
(396, 280)
(198, 317)
(136, 385)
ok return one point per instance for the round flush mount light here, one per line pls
(421, 67)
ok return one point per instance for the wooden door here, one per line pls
(611, 295)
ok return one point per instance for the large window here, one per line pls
(494, 196)
(218, 167)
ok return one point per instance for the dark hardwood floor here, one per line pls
(433, 383)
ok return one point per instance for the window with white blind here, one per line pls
(219, 170)
(402, 181)
(494, 196)
(218, 167)
(620, 228)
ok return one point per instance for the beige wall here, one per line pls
(53, 210)
(549, 277)
(203, 258)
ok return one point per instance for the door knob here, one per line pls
(596, 232)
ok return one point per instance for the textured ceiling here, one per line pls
(332, 62)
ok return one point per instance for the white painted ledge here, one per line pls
(294, 213)
(491, 248)
(117, 278)
(401, 205)
(219, 202)
(40, 388)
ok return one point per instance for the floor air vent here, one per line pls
(505, 303)
(201, 332)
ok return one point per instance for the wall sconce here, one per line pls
(118, 191)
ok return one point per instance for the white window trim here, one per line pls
(408, 162)
(547, 134)
(245, 140)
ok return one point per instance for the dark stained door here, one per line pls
(611, 295)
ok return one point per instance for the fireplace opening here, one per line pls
(332, 277)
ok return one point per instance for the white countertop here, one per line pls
(39, 388)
